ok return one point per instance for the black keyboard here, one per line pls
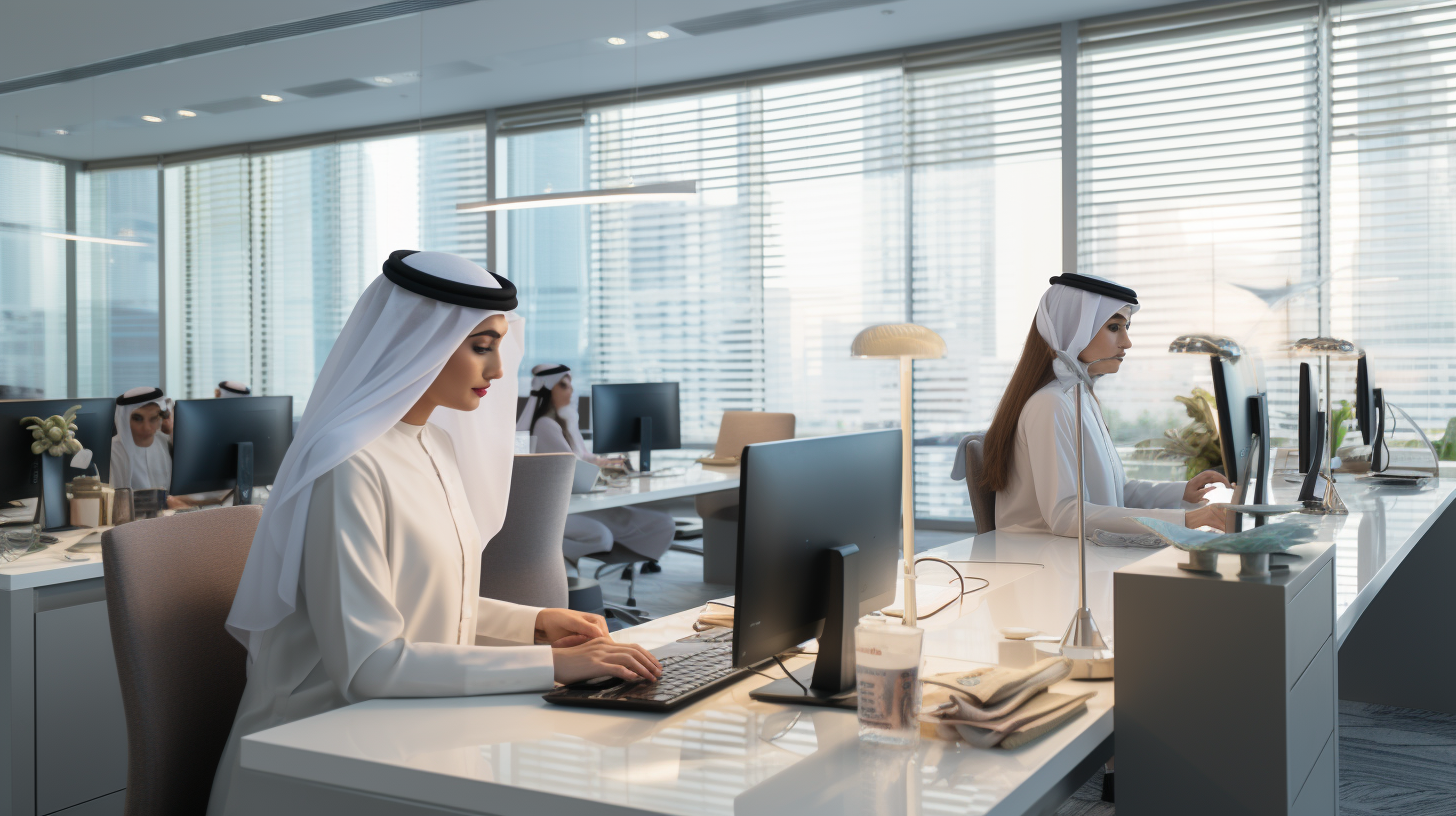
(685, 678)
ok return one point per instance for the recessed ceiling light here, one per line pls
(616, 41)
(384, 80)
(271, 98)
(657, 35)
(59, 132)
(150, 118)
(187, 113)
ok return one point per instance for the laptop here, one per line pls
(585, 479)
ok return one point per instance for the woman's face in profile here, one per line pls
(1109, 346)
(561, 393)
(476, 364)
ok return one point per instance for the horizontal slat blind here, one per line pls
(1394, 197)
(1198, 171)
(984, 131)
(675, 286)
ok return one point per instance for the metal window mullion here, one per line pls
(72, 295)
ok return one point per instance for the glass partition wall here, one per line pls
(1266, 170)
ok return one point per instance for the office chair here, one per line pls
(170, 583)
(522, 563)
(969, 462)
(719, 510)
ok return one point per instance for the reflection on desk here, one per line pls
(685, 478)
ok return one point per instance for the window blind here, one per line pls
(1198, 172)
(32, 278)
(984, 143)
(116, 286)
(675, 285)
(1393, 85)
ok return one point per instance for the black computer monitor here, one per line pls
(1365, 409)
(818, 544)
(1313, 487)
(1379, 454)
(621, 412)
(219, 444)
(1242, 418)
(1308, 411)
(21, 473)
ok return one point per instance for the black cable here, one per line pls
(791, 675)
(962, 578)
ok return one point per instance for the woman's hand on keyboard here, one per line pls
(600, 657)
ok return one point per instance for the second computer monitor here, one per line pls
(621, 410)
(799, 499)
(1309, 434)
(1365, 409)
(219, 444)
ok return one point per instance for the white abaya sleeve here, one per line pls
(350, 593)
(549, 438)
(1055, 475)
(1142, 493)
(120, 464)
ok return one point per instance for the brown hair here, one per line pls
(1033, 372)
(546, 408)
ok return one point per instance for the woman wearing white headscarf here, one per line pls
(141, 456)
(550, 416)
(1080, 333)
(363, 576)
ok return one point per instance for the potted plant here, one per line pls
(51, 439)
(1196, 443)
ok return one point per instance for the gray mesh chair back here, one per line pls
(523, 564)
(170, 583)
(983, 501)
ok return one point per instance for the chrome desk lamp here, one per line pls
(1215, 345)
(1328, 349)
(904, 342)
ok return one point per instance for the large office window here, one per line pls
(543, 251)
(268, 253)
(1199, 173)
(33, 355)
(985, 157)
(117, 330)
(1393, 208)
(674, 287)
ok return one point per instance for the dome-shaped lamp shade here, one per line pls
(1215, 345)
(1333, 346)
(891, 341)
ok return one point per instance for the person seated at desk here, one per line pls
(231, 389)
(1080, 333)
(362, 579)
(550, 416)
(141, 454)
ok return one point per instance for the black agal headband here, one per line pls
(547, 372)
(424, 284)
(145, 396)
(1096, 286)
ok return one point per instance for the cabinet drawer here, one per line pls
(1318, 796)
(1310, 716)
(1311, 620)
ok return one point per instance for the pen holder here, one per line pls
(887, 674)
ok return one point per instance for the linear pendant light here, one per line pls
(92, 239)
(663, 191)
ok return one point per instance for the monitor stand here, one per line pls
(830, 680)
(52, 509)
(244, 489)
(644, 448)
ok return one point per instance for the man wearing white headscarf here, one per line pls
(550, 415)
(141, 457)
(229, 389)
(363, 577)
(1080, 334)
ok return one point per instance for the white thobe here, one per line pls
(150, 469)
(388, 602)
(648, 533)
(1041, 491)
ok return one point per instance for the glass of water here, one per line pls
(887, 671)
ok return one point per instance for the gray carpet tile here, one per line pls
(1087, 801)
(1396, 761)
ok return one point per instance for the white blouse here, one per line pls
(389, 600)
(1041, 491)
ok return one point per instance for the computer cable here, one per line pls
(959, 577)
(791, 676)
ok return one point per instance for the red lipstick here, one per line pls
(480, 392)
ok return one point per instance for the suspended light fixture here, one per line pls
(91, 239)
(664, 191)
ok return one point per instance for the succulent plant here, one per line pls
(54, 435)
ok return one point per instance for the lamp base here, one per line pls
(1084, 646)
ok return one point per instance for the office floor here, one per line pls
(1392, 761)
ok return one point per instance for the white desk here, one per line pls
(693, 479)
(514, 754)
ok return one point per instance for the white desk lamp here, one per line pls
(903, 342)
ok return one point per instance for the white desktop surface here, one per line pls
(513, 755)
(691, 479)
(46, 567)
